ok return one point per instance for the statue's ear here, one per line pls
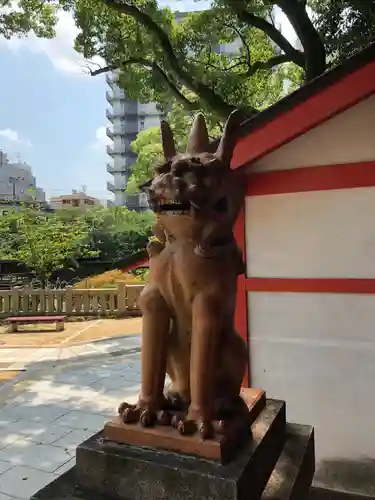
(198, 140)
(228, 140)
(167, 141)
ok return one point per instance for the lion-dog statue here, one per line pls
(189, 301)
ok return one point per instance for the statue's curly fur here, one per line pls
(188, 304)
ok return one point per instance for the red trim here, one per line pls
(139, 263)
(240, 317)
(311, 285)
(322, 178)
(318, 108)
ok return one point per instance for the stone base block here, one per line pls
(222, 448)
(277, 464)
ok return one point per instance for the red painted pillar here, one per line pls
(240, 318)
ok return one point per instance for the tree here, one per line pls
(43, 242)
(117, 231)
(162, 61)
(345, 26)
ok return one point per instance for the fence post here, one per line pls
(68, 300)
(15, 300)
(121, 298)
(132, 295)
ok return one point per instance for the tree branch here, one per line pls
(99, 71)
(204, 91)
(157, 69)
(315, 56)
(207, 64)
(276, 36)
(243, 40)
(269, 64)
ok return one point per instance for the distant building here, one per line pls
(127, 118)
(74, 200)
(17, 182)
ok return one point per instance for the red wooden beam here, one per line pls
(311, 285)
(320, 178)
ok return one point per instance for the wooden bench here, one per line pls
(30, 320)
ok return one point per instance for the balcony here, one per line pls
(111, 187)
(110, 169)
(109, 115)
(121, 148)
(109, 96)
(122, 131)
(110, 78)
(115, 94)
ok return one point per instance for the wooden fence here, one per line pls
(69, 301)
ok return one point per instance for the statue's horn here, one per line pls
(198, 141)
(227, 143)
(167, 141)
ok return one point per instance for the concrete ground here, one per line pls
(64, 396)
(75, 332)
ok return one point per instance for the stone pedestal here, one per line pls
(222, 448)
(276, 463)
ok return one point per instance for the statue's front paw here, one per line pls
(141, 412)
(188, 427)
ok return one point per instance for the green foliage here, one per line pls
(167, 62)
(43, 242)
(345, 25)
(48, 242)
(31, 15)
(117, 231)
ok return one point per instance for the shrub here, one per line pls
(109, 279)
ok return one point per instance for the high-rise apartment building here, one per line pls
(127, 119)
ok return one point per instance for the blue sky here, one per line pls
(52, 114)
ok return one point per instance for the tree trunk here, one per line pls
(313, 46)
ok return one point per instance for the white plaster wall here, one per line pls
(317, 352)
(317, 234)
(345, 138)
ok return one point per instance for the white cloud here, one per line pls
(12, 135)
(59, 50)
(101, 139)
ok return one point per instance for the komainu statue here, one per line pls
(188, 304)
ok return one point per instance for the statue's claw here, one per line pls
(190, 427)
(147, 418)
(132, 414)
(123, 406)
(164, 417)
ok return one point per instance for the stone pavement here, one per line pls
(61, 399)
(20, 358)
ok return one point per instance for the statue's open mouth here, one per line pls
(175, 207)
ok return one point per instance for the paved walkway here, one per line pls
(20, 358)
(64, 397)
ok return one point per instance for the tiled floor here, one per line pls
(53, 411)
